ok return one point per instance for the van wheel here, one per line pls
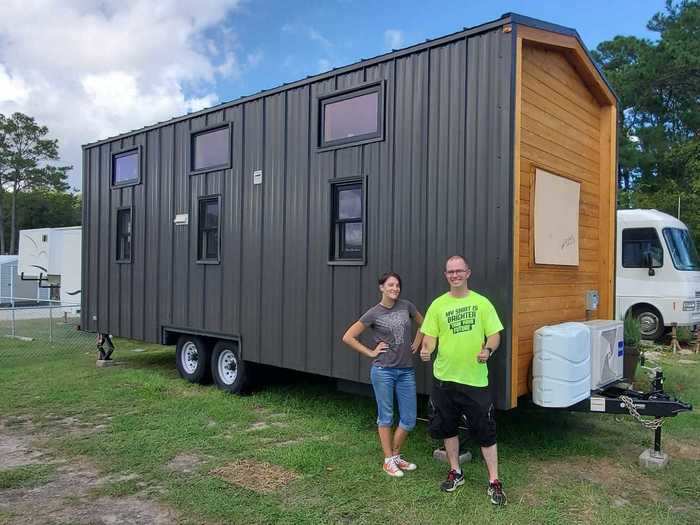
(651, 324)
(192, 359)
(227, 368)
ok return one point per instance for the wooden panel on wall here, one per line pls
(561, 129)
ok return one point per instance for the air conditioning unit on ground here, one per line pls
(607, 352)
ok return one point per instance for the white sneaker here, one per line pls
(403, 464)
(392, 469)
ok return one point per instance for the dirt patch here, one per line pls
(257, 476)
(258, 425)
(623, 483)
(66, 497)
(679, 450)
(185, 463)
(15, 451)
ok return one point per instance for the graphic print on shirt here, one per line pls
(394, 322)
(462, 319)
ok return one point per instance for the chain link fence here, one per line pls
(31, 328)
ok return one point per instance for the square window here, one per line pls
(125, 168)
(208, 245)
(641, 248)
(123, 235)
(351, 117)
(347, 231)
(210, 149)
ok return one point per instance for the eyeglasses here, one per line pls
(456, 272)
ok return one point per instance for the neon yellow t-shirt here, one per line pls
(461, 326)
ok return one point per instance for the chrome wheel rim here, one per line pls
(648, 323)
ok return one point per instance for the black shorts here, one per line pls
(449, 402)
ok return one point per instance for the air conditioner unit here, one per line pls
(607, 352)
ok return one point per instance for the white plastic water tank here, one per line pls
(561, 367)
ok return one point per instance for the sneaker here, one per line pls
(453, 481)
(403, 464)
(495, 492)
(392, 469)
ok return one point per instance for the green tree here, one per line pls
(24, 158)
(45, 209)
(658, 83)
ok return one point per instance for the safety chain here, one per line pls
(652, 424)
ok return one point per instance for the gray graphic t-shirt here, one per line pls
(393, 326)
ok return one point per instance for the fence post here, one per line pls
(50, 321)
(13, 270)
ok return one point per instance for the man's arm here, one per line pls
(427, 347)
(492, 343)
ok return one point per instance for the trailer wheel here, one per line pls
(227, 368)
(192, 359)
(651, 324)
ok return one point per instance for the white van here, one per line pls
(658, 271)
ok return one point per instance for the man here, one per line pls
(467, 327)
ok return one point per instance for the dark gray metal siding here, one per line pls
(438, 184)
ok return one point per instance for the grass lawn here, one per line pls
(297, 451)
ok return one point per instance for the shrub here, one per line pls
(632, 334)
(684, 334)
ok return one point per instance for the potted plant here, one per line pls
(632, 337)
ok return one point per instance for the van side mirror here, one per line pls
(648, 261)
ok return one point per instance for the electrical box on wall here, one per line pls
(257, 177)
(592, 299)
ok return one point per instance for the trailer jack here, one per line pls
(618, 398)
(104, 340)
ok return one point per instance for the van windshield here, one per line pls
(682, 249)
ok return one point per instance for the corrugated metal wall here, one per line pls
(438, 184)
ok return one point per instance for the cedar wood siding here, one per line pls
(439, 183)
(563, 130)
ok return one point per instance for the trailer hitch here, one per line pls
(618, 399)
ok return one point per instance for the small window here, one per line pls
(641, 248)
(351, 117)
(208, 230)
(347, 242)
(125, 168)
(124, 235)
(210, 149)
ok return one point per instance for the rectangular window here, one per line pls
(124, 235)
(641, 248)
(347, 241)
(208, 229)
(125, 168)
(351, 117)
(210, 149)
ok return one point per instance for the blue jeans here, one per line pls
(385, 382)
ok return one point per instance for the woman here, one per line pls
(392, 366)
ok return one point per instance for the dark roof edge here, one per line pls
(562, 30)
(466, 32)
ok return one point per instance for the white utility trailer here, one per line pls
(52, 258)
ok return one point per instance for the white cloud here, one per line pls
(393, 39)
(309, 32)
(89, 70)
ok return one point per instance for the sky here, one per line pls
(91, 69)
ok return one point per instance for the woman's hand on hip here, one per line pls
(379, 349)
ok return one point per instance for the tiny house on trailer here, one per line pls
(255, 231)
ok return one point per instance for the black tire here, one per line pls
(228, 370)
(192, 358)
(651, 323)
